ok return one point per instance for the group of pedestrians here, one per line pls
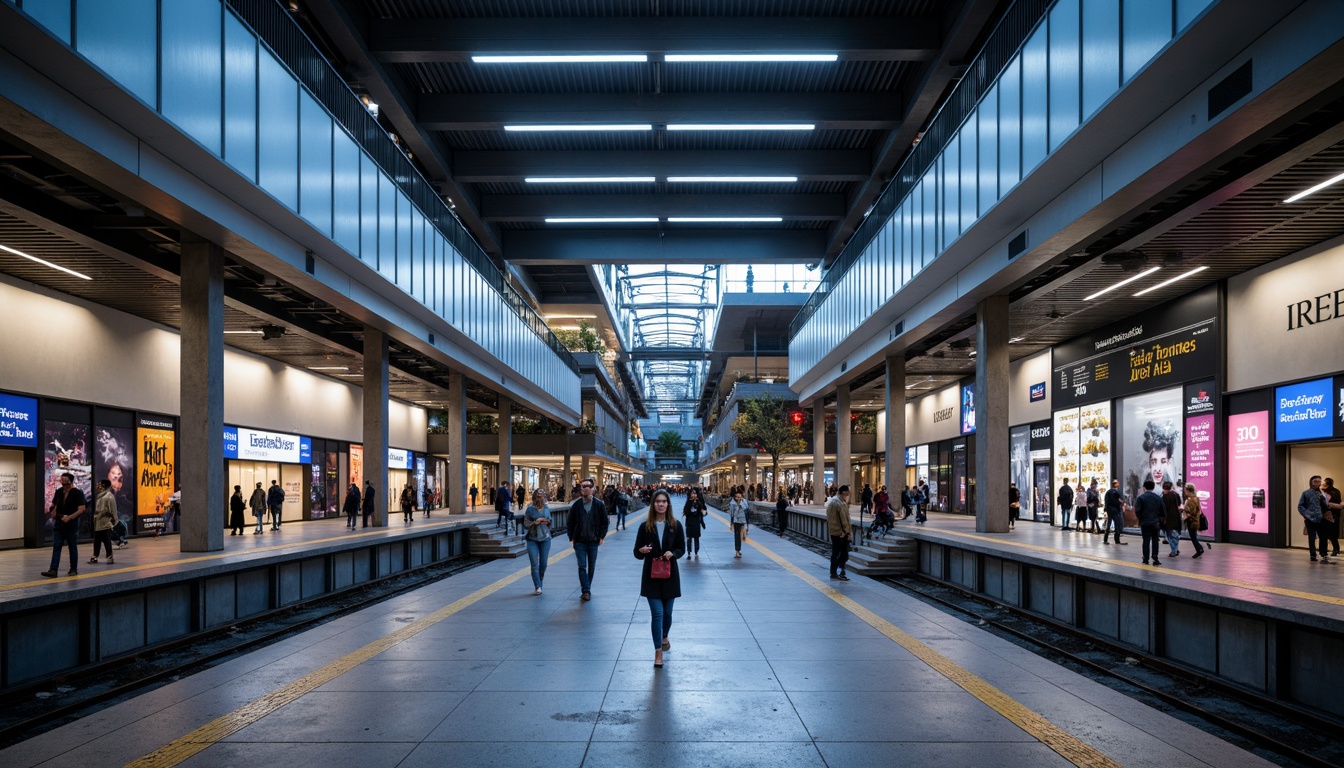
(1320, 508)
(1162, 516)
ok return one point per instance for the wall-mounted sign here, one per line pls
(259, 445)
(1037, 392)
(1248, 472)
(1167, 345)
(1339, 407)
(1041, 436)
(967, 409)
(18, 421)
(911, 456)
(157, 472)
(398, 459)
(1303, 411)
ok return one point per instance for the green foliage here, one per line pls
(668, 443)
(764, 421)
(585, 339)
(586, 427)
(482, 424)
(864, 424)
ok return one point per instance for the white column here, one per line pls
(991, 415)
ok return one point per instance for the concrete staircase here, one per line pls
(491, 542)
(890, 555)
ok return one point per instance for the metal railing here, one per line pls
(269, 20)
(983, 72)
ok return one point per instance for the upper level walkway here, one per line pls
(770, 665)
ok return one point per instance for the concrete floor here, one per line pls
(769, 666)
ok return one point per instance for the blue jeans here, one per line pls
(1313, 534)
(1173, 539)
(586, 555)
(621, 509)
(660, 615)
(62, 538)
(1113, 521)
(538, 552)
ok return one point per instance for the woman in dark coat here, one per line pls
(660, 538)
(236, 509)
(694, 516)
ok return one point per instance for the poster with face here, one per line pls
(67, 449)
(157, 473)
(1153, 426)
(114, 461)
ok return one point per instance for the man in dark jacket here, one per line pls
(503, 504)
(1172, 525)
(1148, 508)
(1065, 501)
(351, 506)
(368, 502)
(1115, 513)
(275, 499)
(587, 528)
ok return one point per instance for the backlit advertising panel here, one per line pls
(1201, 469)
(1302, 411)
(1066, 447)
(157, 473)
(1248, 472)
(968, 409)
(1095, 444)
(18, 421)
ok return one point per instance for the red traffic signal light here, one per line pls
(796, 417)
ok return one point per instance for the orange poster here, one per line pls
(157, 473)
(357, 466)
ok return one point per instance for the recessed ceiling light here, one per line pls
(745, 57)
(709, 219)
(257, 332)
(740, 127)
(733, 179)
(1317, 188)
(1169, 282)
(594, 127)
(328, 367)
(587, 179)
(602, 220)
(45, 263)
(580, 58)
(1123, 283)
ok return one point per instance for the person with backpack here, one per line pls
(1193, 516)
(257, 502)
(1065, 501)
(407, 504)
(693, 516)
(1093, 504)
(1172, 518)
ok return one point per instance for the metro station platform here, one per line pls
(1269, 621)
(771, 665)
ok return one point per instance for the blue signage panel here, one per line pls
(1038, 392)
(305, 450)
(18, 421)
(911, 457)
(967, 409)
(1303, 411)
(230, 442)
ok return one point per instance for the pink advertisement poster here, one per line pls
(1199, 463)
(1248, 472)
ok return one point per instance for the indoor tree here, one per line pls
(764, 422)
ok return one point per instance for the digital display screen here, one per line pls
(1302, 411)
(1199, 464)
(1248, 472)
(967, 409)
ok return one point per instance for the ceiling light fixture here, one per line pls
(748, 57)
(1169, 282)
(601, 220)
(256, 332)
(571, 317)
(328, 367)
(45, 263)
(1123, 283)
(588, 179)
(740, 126)
(733, 179)
(1315, 189)
(714, 219)
(594, 127)
(574, 58)
(1015, 339)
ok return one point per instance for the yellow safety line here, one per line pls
(221, 727)
(1327, 599)
(202, 558)
(1067, 745)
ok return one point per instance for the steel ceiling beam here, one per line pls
(492, 111)
(806, 164)
(667, 353)
(671, 246)
(538, 207)
(410, 41)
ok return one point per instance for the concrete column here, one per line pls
(201, 436)
(819, 450)
(895, 446)
(567, 478)
(584, 469)
(375, 420)
(754, 469)
(455, 485)
(991, 415)
(506, 441)
(843, 440)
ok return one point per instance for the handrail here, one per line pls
(281, 33)
(981, 75)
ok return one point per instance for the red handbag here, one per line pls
(660, 569)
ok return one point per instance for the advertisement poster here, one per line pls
(317, 493)
(1152, 428)
(357, 466)
(1302, 411)
(968, 409)
(1094, 444)
(1199, 466)
(18, 421)
(67, 450)
(1066, 447)
(11, 495)
(157, 474)
(1019, 464)
(1248, 472)
(1176, 342)
(335, 493)
(114, 461)
(420, 473)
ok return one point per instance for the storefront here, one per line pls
(1029, 448)
(940, 429)
(1286, 373)
(255, 456)
(18, 459)
(1138, 400)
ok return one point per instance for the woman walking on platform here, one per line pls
(537, 519)
(659, 542)
(693, 514)
(407, 504)
(737, 515)
(237, 512)
(1191, 516)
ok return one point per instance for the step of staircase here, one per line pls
(489, 541)
(886, 556)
